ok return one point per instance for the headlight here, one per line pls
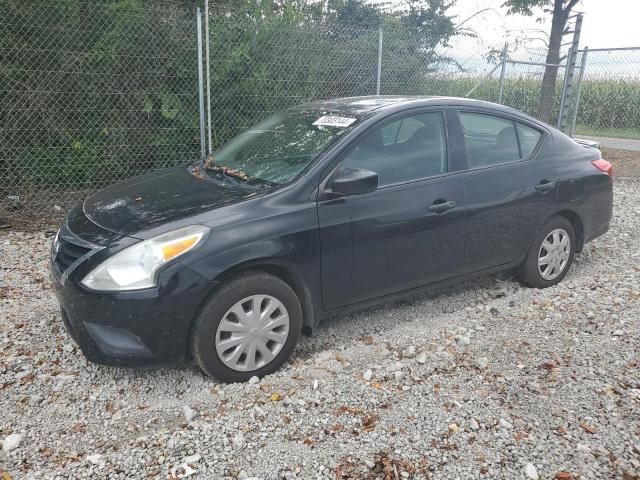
(135, 267)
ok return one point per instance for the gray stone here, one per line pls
(11, 442)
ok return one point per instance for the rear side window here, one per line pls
(529, 138)
(491, 140)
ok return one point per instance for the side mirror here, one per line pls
(354, 181)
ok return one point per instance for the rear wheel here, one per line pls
(550, 254)
(250, 326)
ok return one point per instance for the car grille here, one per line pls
(66, 254)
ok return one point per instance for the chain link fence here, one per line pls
(609, 94)
(92, 93)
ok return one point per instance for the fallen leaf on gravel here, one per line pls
(348, 409)
(347, 470)
(338, 427)
(376, 385)
(561, 430)
(27, 378)
(548, 366)
(563, 476)
(369, 422)
(587, 427)
(78, 428)
(309, 441)
(6, 476)
(367, 340)
(389, 468)
(275, 397)
(341, 358)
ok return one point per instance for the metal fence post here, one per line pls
(567, 91)
(203, 147)
(379, 71)
(208, 73)
(564, 89)
(502, 71)
(583, 65)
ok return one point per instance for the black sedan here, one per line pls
(323, 208)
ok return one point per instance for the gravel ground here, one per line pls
(483, 380)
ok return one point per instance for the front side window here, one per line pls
(279, 148)
(491, 140)
(406, 149)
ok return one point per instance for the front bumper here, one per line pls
(132, 328)
(138, 328)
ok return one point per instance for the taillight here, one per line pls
(603, 166)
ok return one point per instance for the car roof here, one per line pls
(361, 106)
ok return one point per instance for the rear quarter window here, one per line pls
(529, 138)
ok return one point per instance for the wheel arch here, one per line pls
(576, 223)
(284, 272)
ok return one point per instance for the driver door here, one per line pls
(407, 233)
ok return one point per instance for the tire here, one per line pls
(529, 272)
(242, 294)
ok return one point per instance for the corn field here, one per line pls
(608, 106)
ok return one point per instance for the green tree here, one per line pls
(100, 90)
(560, 11)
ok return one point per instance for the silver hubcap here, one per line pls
(252, 333)
(554, 254)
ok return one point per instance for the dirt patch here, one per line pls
(33, 222)
(626, 163)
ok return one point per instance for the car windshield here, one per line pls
(279, 148)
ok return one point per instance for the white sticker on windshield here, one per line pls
(334, 121)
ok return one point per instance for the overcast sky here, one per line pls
(607, 23)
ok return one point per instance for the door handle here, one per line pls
(441, 207)
(545, 186)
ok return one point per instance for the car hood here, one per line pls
(151, 200)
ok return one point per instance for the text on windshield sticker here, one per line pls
(334, 121)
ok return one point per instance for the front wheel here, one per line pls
(550, 254)
(249, 327)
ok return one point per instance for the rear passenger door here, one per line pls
(510, 186)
